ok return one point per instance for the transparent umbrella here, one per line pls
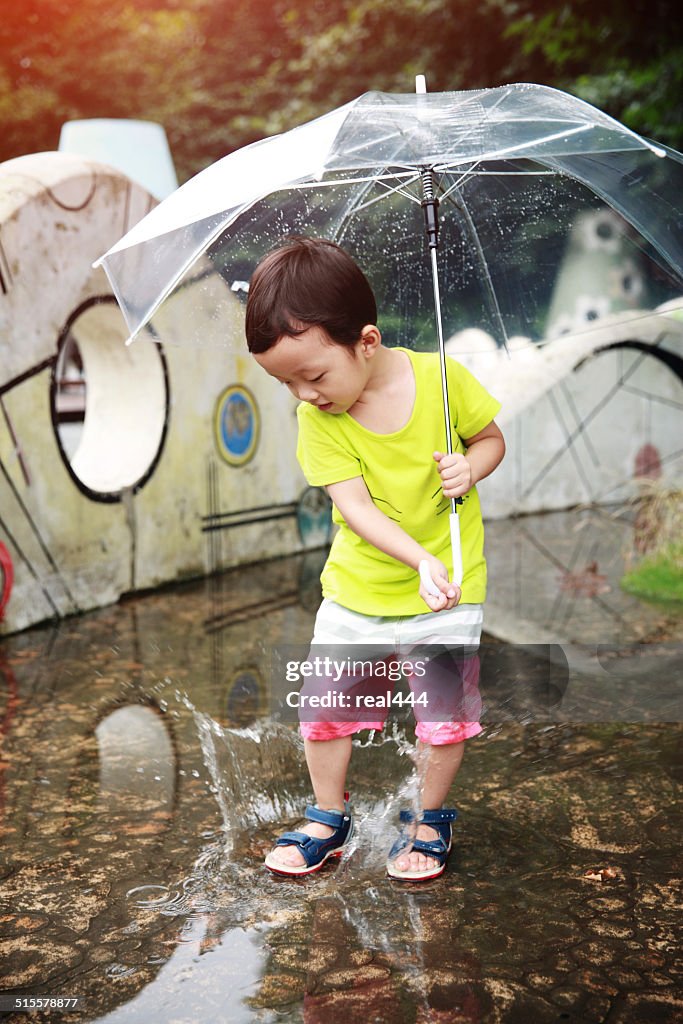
(508, 175)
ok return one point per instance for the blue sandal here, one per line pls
(315, 851)
(440, 820)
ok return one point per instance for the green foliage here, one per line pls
(647, 99)
(102, 58)
(657, 570)
(624, 59)
(373, 44)
(221, 73)
(659, 578)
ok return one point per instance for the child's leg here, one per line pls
(443, 745)
(443, 762)
(338, 633)
(451, 688)
(328, 762)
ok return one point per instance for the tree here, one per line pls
(104, 58)
(376, 44)
(626, 61)
(221, 73)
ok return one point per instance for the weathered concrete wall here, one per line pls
(585, 416)
(81, 531)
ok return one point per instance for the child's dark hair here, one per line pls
(307, 282)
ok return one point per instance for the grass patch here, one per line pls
(654, 567)
(659, 577)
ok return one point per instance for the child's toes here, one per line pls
(288, 856)
(293, 857)
(419, 862)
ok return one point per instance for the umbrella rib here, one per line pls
(475, 171)
(391, 175)
(501, 154)
(402, 189)
(234, 215)
(179, 274)
(504, 154)
(399, 133)
(536, 172)
(637, 221)
(465, 176)
(353, 207)
(342, 220)
(396, 133)
(461, 206)
(397, 190)
(531, 172)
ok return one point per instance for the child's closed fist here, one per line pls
(449, 593)
(455, 472)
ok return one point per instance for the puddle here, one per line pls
(142, 781)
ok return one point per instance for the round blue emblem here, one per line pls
(236, 425)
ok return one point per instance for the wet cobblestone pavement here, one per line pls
(141, 783)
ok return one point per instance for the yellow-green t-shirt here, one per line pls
(404, 483)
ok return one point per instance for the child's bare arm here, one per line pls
(461, 472)
(353, 500)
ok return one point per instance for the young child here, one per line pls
(371, 431)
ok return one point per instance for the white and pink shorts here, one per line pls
(447, 702)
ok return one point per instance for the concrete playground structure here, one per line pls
(122, 468)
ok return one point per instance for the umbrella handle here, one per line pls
(423, 568)
(456, 549)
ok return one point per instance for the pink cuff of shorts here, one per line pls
(438, 734)
(333, 730)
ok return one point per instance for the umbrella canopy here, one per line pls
(519, 170)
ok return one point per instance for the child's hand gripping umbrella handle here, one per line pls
(423, 568)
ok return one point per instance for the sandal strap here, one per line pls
(335, 819)
(308, 846)
(313, 849)
(440, 820)
(443, 814)
(304, 841)
(300, 839)
(436, 817)
(436, 848)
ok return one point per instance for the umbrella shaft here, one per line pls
(442, 361)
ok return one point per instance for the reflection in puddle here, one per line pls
(136, 758)
(141, 784)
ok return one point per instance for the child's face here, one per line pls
(317, 370)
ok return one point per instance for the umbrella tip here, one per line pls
(420, 85)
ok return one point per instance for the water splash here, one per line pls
(256, 773)
(258, 776)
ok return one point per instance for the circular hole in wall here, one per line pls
(109, 402)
